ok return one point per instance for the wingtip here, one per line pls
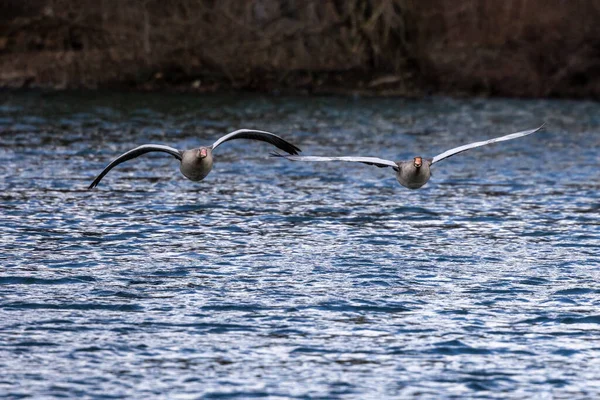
(94, 184)
(289, 148)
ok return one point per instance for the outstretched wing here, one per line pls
(259, 135)
(378, 162)
(460, 149)
(138, 151)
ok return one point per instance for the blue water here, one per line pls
(294, 280)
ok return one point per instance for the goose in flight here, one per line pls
(196, 163)
(414, 173)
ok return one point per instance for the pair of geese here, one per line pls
(195, 164)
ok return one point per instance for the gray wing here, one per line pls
(263, 136)
(138, 151)
(378, 162)
(466, 147)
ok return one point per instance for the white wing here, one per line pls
(378, 162)
(466, 147)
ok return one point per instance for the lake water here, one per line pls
(298, 280)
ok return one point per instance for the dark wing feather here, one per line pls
(259, 135)
(138, 151)
(378, 162)
(460, 149)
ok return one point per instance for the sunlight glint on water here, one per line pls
(272, 278)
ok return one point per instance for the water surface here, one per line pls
(289, 280)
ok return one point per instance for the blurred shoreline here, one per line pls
(514, 48)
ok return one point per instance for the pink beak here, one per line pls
(203, 152)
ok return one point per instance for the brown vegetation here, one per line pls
(510, 47)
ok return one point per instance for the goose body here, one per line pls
(412, 177)
(415, 173)
(196, 164)
(196, 168)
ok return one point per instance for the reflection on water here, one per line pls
(298, 280)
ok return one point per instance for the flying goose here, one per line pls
(415, 173)
(197, 163)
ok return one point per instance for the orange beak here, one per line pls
(418, 162)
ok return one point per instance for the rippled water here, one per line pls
(289, 280)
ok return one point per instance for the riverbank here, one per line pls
(520, 48)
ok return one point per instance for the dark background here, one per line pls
(525, 48)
